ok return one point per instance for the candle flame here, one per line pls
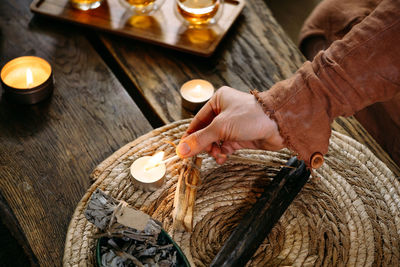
(29, 77)
(155, 160)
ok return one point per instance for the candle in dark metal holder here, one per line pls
(27, 80)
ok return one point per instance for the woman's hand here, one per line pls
(231, 120)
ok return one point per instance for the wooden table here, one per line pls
(110, 90)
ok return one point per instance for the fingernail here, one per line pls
(183, 149)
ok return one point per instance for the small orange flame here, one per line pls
(155, 160)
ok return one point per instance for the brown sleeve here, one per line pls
(354, 72)
(332, 19)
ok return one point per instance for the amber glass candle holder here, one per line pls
(85, 5)
(142, 6)
(199, 12)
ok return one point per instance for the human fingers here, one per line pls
(221, 158)
(228, 147)
(208, 148)
(217, 153)
(198, 141)
(203, 118)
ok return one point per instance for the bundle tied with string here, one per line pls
(185, 194)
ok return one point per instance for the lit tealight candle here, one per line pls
(27, 80)
(148, 172)
(196, 93)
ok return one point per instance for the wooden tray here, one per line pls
(163, 27)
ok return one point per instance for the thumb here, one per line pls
(197, 142)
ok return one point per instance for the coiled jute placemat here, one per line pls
(347, 214)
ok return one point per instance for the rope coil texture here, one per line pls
(348, 214)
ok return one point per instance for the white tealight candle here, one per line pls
(148, 172)
(196, 93)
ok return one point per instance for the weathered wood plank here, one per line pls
(255, 54)
(47, 151)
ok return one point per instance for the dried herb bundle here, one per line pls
(100, 209)
(107, 214)
(185, 194)
(121, 252)
(129, 237)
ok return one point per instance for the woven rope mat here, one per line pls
(347, 214)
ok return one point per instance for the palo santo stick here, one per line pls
(192, 182)
(185, 194)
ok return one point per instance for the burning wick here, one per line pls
(29, 77)
(148, 172)
(157, 160)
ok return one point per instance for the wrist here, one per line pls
(302, 125)
(270, 136)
